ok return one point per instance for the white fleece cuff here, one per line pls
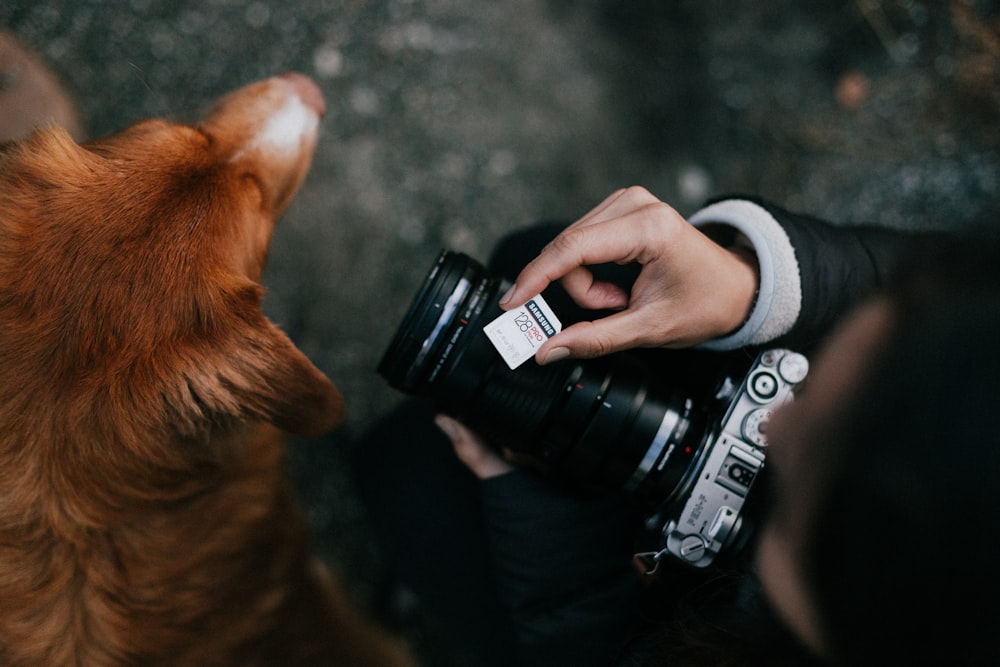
(779, 300)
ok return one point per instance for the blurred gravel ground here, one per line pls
(453, 122)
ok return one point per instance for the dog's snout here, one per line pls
(275, 115)
(307, 91)
(269, 129)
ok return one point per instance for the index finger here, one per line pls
(621, 240)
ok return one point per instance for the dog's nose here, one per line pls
(307, 91)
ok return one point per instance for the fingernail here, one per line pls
(506, 297)
(448, 426)
(554, 355)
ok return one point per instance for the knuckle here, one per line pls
(659, 223)
(563, 242)
(637, 193)
(567, 244)
(601, 346)
(662, 214)
(597, 342)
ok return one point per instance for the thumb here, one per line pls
(586, 340)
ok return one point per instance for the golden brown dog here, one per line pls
(145, 512)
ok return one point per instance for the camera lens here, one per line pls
(602, 423)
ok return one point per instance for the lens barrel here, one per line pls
(601, 423)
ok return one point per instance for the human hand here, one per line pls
(689, 288)
(477, 457)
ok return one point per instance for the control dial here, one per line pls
(755, 426)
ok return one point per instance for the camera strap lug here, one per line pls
(646, 563)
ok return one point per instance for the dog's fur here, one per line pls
(145, 513)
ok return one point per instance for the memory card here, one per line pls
(518, 333)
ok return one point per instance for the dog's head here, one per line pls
(130, 268)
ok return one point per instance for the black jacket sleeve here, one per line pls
(812, 272)
(839, 266)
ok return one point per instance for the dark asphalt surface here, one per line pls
(452, 122)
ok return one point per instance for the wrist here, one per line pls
(780, 289)
(746, 285)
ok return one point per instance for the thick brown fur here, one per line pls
(145, 513)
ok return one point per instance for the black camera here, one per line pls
(683, 434)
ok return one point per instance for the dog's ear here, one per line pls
(256, 372)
